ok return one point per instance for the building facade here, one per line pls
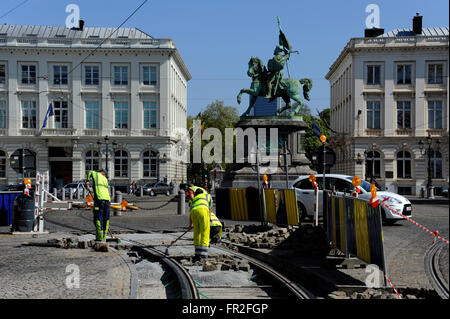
(388, 92)
(116, 96)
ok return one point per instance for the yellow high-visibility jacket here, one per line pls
(100, 185)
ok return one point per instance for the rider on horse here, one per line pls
(275, 67)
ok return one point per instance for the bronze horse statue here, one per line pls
(288, 88)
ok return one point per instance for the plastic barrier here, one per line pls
(355, 228)
(243, 204)
(6, 207)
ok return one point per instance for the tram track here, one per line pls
(270, 283)
(433, 272)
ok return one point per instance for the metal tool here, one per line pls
(167, 248)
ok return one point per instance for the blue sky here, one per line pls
(216, 38)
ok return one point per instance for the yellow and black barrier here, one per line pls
(355, 228)
(244, 204)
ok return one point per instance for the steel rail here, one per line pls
(298, 291)
(187, 284)
(432, 267)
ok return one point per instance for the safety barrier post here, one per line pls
(118, 199)
(78, 193)
(346, 227)
(63, 194)
(181, 202)
(316, 206)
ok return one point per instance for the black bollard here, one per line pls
(181, 202)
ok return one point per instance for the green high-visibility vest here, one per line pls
(100, 185)
(200, 200)
(214, 220)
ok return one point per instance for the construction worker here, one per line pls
(216, 228)
(192, 189)
(97, 184)
(199, 219)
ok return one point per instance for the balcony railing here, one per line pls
(405, 132)
(89, 42)
(374, 132)
(58, 132)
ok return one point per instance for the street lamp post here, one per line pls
(429, 151)
(99, 143)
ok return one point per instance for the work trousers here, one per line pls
(200, 221)
(101, 218)
(216, 234)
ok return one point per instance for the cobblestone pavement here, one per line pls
(30, 272)
(406, 246)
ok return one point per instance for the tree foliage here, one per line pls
(311, 140)
(216, 115)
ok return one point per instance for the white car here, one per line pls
(343, 183)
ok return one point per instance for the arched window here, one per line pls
(120, 163)
(2, 164)
(373, 164)
(403, 164)
(150, 164)
(436, 164)
(92, 161)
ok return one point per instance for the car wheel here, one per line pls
(152, 193)
(302, 214)
(385, 221)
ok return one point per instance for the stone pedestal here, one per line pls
(290, 132)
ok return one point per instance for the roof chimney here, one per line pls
(372, 33)
(417, 24)
(81, 25)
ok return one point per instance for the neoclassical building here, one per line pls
(388, 92)
(115, 95)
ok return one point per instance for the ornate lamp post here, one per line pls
(429, 151)
(99, 143)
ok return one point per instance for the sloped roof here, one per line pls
(63, 32)
(439, 31)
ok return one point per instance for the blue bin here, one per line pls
(6, 207)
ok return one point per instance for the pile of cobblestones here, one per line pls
(374, 293)
(73, 243)
(221, 262)
(299, 239)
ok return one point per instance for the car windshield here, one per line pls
(149, 184)
(364, 184)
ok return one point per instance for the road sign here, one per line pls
(317, 157)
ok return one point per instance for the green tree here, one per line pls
(311, 140)
(216, 115)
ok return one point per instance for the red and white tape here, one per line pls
(390, 283)
(436, 234)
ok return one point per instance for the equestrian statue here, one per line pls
(269, 82)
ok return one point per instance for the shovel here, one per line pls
(167, 248)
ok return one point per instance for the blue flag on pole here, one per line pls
(316, 128)
(49, 113)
